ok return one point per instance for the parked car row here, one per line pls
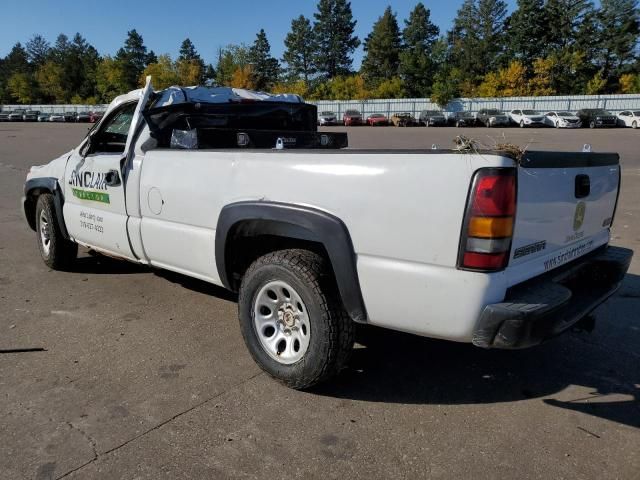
(490, 117)
(22, 115)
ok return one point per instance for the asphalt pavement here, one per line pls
(140, 373)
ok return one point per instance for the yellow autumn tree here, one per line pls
(163, 73)
(189, 72)
(491, 86)
(540, 84)
(348, 88)
(514, 80)
(629, 83)
(49, 77)
(390, 88)
(506, 82)
(596, 84)
(298, 87)
(20, 87)
(243, 78)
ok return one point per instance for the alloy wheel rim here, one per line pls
(45, 233)
(281, 322)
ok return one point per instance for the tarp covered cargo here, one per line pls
(214, 116)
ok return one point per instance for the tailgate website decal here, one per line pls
(91, 180)
(568, 255)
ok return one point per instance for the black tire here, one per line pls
(331, 329)
(592, 124)
(557, 124)
(61, 252)
(521, 123)
(634, 125)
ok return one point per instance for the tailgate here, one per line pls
(565, 206)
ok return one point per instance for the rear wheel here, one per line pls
(634, 125)
(592, 124)
(521, 123)
(57, 252)
(292, 318)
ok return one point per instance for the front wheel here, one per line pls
(592, 125)
(292, 318)
(57, 252)
(521, 123)
(634, 125)
(557, 124)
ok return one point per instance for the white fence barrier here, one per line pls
(572, 103)
(614, 103)
(57, 108)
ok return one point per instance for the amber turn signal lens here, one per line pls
(490, 227)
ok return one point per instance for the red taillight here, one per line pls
(494, 196)
(485, 242)
(485, 261)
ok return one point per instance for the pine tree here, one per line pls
(190, 55)
(37, 50)
(188, 50)
(564, 18)
(300, 47)
(571, 44)
(265, 68)
(61, 48)
(477, 39)
(416, 63)
(491, 25)
(526, 30)
(16, 62)
(382, 50)
(463, 41)
(134, 57)
(618, 30)
(334, 29)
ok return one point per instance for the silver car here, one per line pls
(562, 120)
(57, 117)
(327, 118)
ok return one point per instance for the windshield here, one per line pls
(637, 113)
(464, 114)
(352, 112)
(376, 115)
(601, 112)
(565, 114)
(326, 114)
(530, 112)
(494, 112)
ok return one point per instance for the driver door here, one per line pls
(95, 206)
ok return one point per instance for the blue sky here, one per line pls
(209, 24)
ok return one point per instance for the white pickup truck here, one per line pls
(468, 246)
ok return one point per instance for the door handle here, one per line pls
(582, 186)
(112, 178)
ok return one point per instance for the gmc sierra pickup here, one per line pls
(487, 247)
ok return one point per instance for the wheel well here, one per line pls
(30, 203)
(243, 249)
(246, 230)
